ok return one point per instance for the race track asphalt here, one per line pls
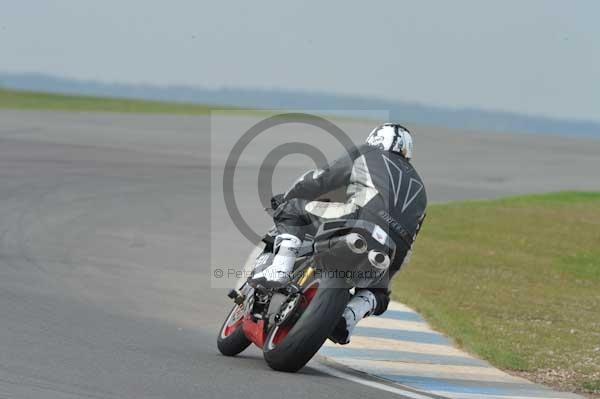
(111, 226)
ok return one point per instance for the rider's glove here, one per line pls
(276, 200)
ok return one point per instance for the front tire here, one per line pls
(232, 339)
(289, 350)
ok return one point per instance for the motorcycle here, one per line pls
(290, 323)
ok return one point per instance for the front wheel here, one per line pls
(232, 339)
(289, 348)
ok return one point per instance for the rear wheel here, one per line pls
(232, 339)
(290, 346)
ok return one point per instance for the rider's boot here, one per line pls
(362, 304)
(280, 270)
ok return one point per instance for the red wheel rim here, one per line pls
(230, 328)
(283, 331)
(281, 334)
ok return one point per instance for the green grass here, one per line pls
(26, 100)
(515, 281)
(13, 99)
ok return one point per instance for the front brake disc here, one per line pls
(287, 309)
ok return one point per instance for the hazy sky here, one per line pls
(540, 57)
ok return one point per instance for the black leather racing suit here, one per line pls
(380, 186)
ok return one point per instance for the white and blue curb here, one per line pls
(400, 348)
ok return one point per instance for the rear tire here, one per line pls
(310, 332)
(232, 339)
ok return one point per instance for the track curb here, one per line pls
(400, 348)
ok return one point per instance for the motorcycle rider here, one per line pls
(381, 186)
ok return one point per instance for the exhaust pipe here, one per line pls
(379, 260)
(356, 243)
